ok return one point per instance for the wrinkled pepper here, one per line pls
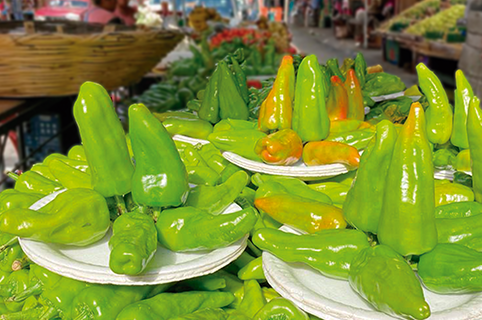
(317, 153)
(77, 164)
(407, 221)
(187, 228)
(356, 138)
(337, 102)
(276, 111)
(439, 112)
(40, 279)
(280, 308)
(302, 213)
(379, 275)
(463, 96)
(310, 117)
(205, 314)
(11, 199)
(363, 207)
(447, 192)
(77, 153)
(215, 200)
(241, 142)
(104, 142)
(461, 209)
(464, 231)
(75, 217)
(32, 182)
(283, 147)
(68, 176)
(160, 178)
(474, 132)
(43, 170)
(356, 108)
(16, 282)
(330, 252)
(133, 243)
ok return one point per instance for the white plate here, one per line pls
(332, 299)
(91, 263)
(299, 170)
(189, 140)
(447, 174)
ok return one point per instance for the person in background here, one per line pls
(102, 11)
(126, 13)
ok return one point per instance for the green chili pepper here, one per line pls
(360, 68)
(253, 299)
(444, 159)
(329, 251)
(447, 192)
(241, 142)
(407, 221)
(231, 103)
(11, 199)
(170, 305)
(463, 96)
(10, 251)
(133, 243)
(463, 231)
(357, 138)
(233, 285)
(76, 217)
(43, 170)
(210, 282)
(280, 308)
(32, 182)
(208, 313)
(252, 271)
(195, 128)
(463, 161)
(104, 141)
(439, 111)
(270, 294)
(362, 207)
(160, 178)
(77, 153)
(332, 64)
(215, 200)
(310, 117)
(16, 282)
(451, 268)
(474, 132)
(77, 164)
(234, 124)
(240, 78)
(40, 279)
(209, 109)
(458, 209)
(188, 228)
(335, 190)
(379, 274)
(68, 176)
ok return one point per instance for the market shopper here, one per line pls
(102, 11)
(125, 12)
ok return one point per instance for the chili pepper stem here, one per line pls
(12, 175)
(156, 212)
(121, 205)
(34, 290)
(20, 263)
(8, 244)
(50, 313)
(24, 315)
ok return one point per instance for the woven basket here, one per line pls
(55, 58)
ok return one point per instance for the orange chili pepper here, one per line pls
(356, 108)
(281, 148)
(337, 103)
(327, 152)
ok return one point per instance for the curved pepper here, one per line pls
(40, 279)
(43, 170)
(356, 109)
(241, 142)
(360, 68)
(194, 128)
(310, 118)
(474, 132)
(276, 111)
(463, 161)
(407, 221)
(327, 152)
(210, 282)
(32, 182)
(461, 209)
(215, 200)
(363, 207)
(68, 176)
(302, 213)
(463, 96)
(253, 270)
(75, 217)
(332, 64)
(439, 112)
(16, 282)
(198, 171)
(166, 306)
(451, 269)
(379, 275)
(337, 102)
(356, 138)
(282, 309)
(11, 199)
(466, 231)
(231, 103)
(160, 178)
(133, 243)
(104, 141)
(253, 299)
(447, 192)
(187, 228)
(77, 164)
(335, 190)
(77, 153)
(234, 124)
(329, 251)
(283, 147)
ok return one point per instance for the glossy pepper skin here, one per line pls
(194, 128)
(40, 279)
(215, 200)
(234, 124)
(170, 305)
(253, 299)
(77, 164)
(330, 251)
(310, 118)
(356, 109)
(68, 176)
(241, 142)
(104, 141)
(360, 68)
(463, 96)
(451, 268)
(280, 308)
(12, 252)
(461, 209)
(356, 138)
(466, 231)
(160, 178)
(328, 152)
(209, 109)
(337, 102)
(276, 111)
(407, 221)
(105, 302)
(283, 148)
(253, 270)
(43, 170)
(77, 153)
(16, 282)
(11, 199)
(335, 190)
(363, 207)
(463, 161)
(198, 171)
(32, 182)
(302, 213)
(187, 228)
(439, 112)
(379, 275)
(76, 217)
(231, 103)
(133, 243)
(474, 132)
(447, 192)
